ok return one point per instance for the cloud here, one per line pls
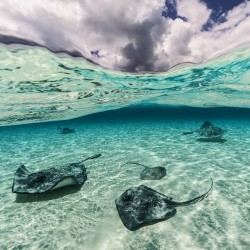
(195, 11)
(235, 17)
(128, 35)
(139, 53)
(223, 37)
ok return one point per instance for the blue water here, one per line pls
(87, 219)
(125, 117)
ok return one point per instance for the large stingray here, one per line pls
(142, 206)
(49, 179)
(154, 173)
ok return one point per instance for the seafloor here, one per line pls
(88, 219)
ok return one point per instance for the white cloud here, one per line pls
(235, 17)
(130, 35)
(176, 42)
(224, 37)
(195, 11)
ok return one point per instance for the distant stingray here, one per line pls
(66, 130)
(49, 179)
(209, 133)
(154, 173)
(142, 206)
(207, 129)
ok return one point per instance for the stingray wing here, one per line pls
(20, 178)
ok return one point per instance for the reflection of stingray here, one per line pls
(142, 206)
(220, 140)
(49, 179)
(155, 173)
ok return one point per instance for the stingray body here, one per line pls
(208, 130)
(154, 173)
(142, 206)
(42, 181)
(209, 133)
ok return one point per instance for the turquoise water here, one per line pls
(38, 86)
(87, 218)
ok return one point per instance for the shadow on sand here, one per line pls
(49, 195)
(218, 140)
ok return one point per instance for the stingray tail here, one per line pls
(92, 157)
(190, 132)
(195, 200)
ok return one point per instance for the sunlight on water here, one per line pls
(37, 85)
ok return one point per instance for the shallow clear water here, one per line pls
(88, 219)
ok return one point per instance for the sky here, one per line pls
(131, 35)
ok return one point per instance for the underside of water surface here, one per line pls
(37, 85)
(127, 118)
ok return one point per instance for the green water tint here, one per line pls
(37, 85)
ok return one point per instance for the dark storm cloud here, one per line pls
(139, 53)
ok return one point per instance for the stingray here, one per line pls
(66, 130)
(143, 206)
(42, 181)
(208, 130)
(154, 173)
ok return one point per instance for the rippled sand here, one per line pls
(87, 218)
